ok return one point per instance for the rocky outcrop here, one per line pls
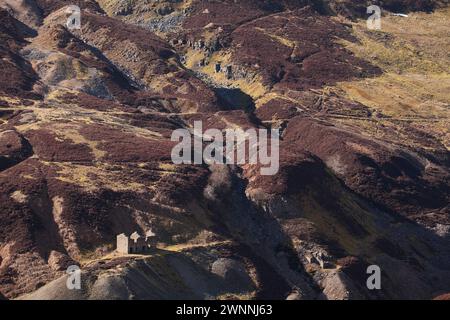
(233, 273)
(14, 148)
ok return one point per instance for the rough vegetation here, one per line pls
(85, 123)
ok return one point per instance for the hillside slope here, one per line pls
(86, 118)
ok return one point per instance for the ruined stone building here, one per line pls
(135, 243)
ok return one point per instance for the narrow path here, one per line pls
(171, 248)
